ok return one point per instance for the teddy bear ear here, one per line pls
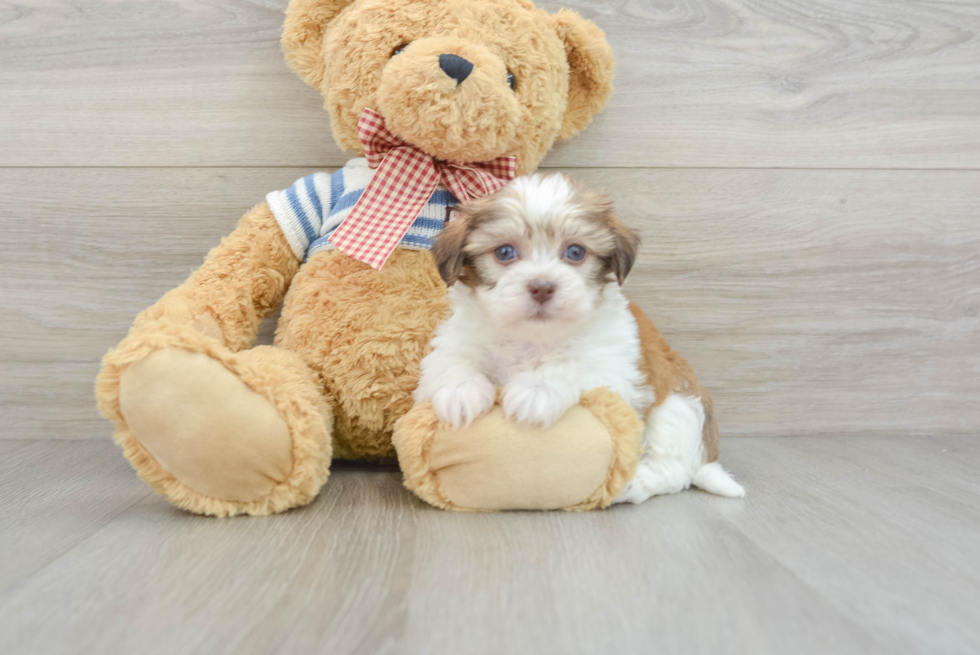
(590, 63)
(302, 36)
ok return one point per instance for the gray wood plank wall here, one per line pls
(806, 177)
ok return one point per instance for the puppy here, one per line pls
(534, 272)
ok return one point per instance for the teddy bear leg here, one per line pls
(246, 433)
(581, 462)
(211, 425)
(217, 432)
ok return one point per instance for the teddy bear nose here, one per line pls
(455, 67)
(541, 290)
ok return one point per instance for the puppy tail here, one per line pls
(716, 480)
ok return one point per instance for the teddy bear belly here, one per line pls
(364, 332)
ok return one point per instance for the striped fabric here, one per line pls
(309, 211)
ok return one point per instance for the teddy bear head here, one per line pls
(464, 80)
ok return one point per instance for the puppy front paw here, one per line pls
(459, 403)
(530, 399)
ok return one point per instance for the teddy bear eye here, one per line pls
(511, 80)
(575, 253)
(505, 253)
(399, 49)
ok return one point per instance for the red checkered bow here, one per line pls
(405, 180)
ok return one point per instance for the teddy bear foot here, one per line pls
(225, 433)
(581, 462)
(201, 423)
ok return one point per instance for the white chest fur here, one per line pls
(604, 351)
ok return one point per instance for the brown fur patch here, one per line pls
(448, 249)
(667, 372)
(619, 260)
(452, 250)
(627, 245)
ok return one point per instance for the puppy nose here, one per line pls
(541, 290)
(455, 67)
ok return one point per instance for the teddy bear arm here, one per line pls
(240, 283)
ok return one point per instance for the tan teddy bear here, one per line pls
(470, 92)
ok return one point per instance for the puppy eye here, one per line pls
(399, 49)
(575, 253)
(505, 253)
(511, 80)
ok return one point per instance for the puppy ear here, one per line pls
(302, 36)
(448, 249)
(590, 63)
(627, 242)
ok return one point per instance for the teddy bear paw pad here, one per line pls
(205, 426)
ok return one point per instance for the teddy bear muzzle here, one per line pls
(450, 98)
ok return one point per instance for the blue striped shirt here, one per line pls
(309, 211)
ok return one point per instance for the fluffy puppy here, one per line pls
(534, 272)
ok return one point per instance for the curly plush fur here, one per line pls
(363, 332)
(348, 346)
(562, 65)
(216, 312)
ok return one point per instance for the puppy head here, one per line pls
(537, 254)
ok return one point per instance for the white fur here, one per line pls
(674, 454)
(541, 379)
(540, 198)
(714, 479)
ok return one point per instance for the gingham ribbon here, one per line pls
(405, 180)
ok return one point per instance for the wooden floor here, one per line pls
(806, 178)
(844, 545)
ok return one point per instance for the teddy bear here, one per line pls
(444, 100)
